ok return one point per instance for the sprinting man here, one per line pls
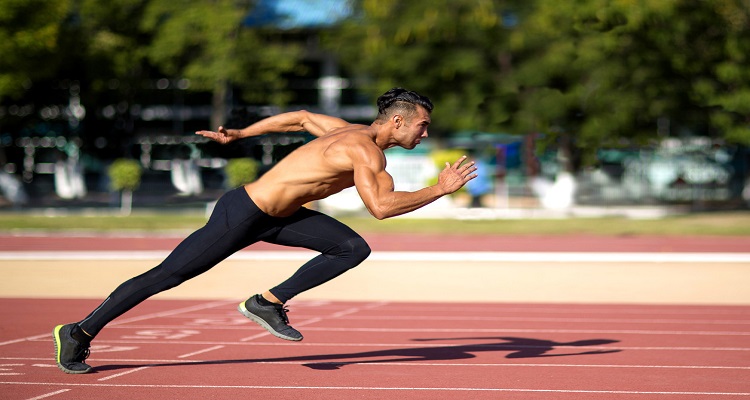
(270, 209)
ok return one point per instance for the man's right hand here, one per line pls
(454, 176)
(222, 136)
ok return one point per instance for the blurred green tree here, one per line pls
(205, 41)
(125, 177)
(606, 73)
(30, 34)
(108, 52)
(240, 171)
(587, 73)
(454, 51)
(113, 43)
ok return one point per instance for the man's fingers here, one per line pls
(459, 162)
(207, 134)
(218, 137)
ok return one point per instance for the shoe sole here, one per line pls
(57, 341)
(260, 321)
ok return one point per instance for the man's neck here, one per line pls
(382, 136)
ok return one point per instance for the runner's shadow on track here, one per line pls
(516, 348)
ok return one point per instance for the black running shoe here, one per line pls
(69, 353)
(273, 318)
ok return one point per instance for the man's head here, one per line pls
(407, 116)
(401, 101)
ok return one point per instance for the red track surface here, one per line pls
(199, 349)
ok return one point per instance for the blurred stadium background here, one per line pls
(607, 105)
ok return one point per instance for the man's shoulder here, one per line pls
(353, 135)
(352, 129)
(357, 143)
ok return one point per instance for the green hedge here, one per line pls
(241, 171)
(125, 174)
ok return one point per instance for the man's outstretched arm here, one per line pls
(375, 187)
(295, 121)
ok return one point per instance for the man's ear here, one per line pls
(398, 120)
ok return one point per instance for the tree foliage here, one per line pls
(206, 42)
(114, 44)
(594, 72)
(599, 72)
(241, 171)
(112, 52)
(604, 71)
(454, 51)
(30, 34)
(125, 174)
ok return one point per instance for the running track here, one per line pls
(189, 349)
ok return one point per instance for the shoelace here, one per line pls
(282, 310)
(86, 354)
(82, 354)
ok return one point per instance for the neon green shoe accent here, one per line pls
(58, 345)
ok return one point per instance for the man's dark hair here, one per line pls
(401, 99)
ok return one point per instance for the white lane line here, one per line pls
(415, 317)
(195, 353)
(558, 319)
(128, 372)
(394, 345)
(435, 256)
(314, 320)
(253, 337)
(561, 257)
(501, 365)
(170, 313)
(311, 321)
(141, 318)
(266, 333)
(376, 388)
(44, 396)
(30, 338)
(579, 309)
(416, 364)
(587, 331)
(345, 312)
(133, 319)
(2, 368)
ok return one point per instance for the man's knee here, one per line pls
(354, 250)
(361, 250)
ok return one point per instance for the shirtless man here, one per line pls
(270, 209)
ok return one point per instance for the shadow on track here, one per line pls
(517, 348)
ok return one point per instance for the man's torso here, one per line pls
(314, 171)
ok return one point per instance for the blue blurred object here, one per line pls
(288, 14)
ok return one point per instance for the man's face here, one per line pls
(413, 130)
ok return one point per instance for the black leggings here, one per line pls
(236, 223)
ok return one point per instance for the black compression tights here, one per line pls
(236, 223)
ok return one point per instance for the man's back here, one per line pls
(318, 169)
